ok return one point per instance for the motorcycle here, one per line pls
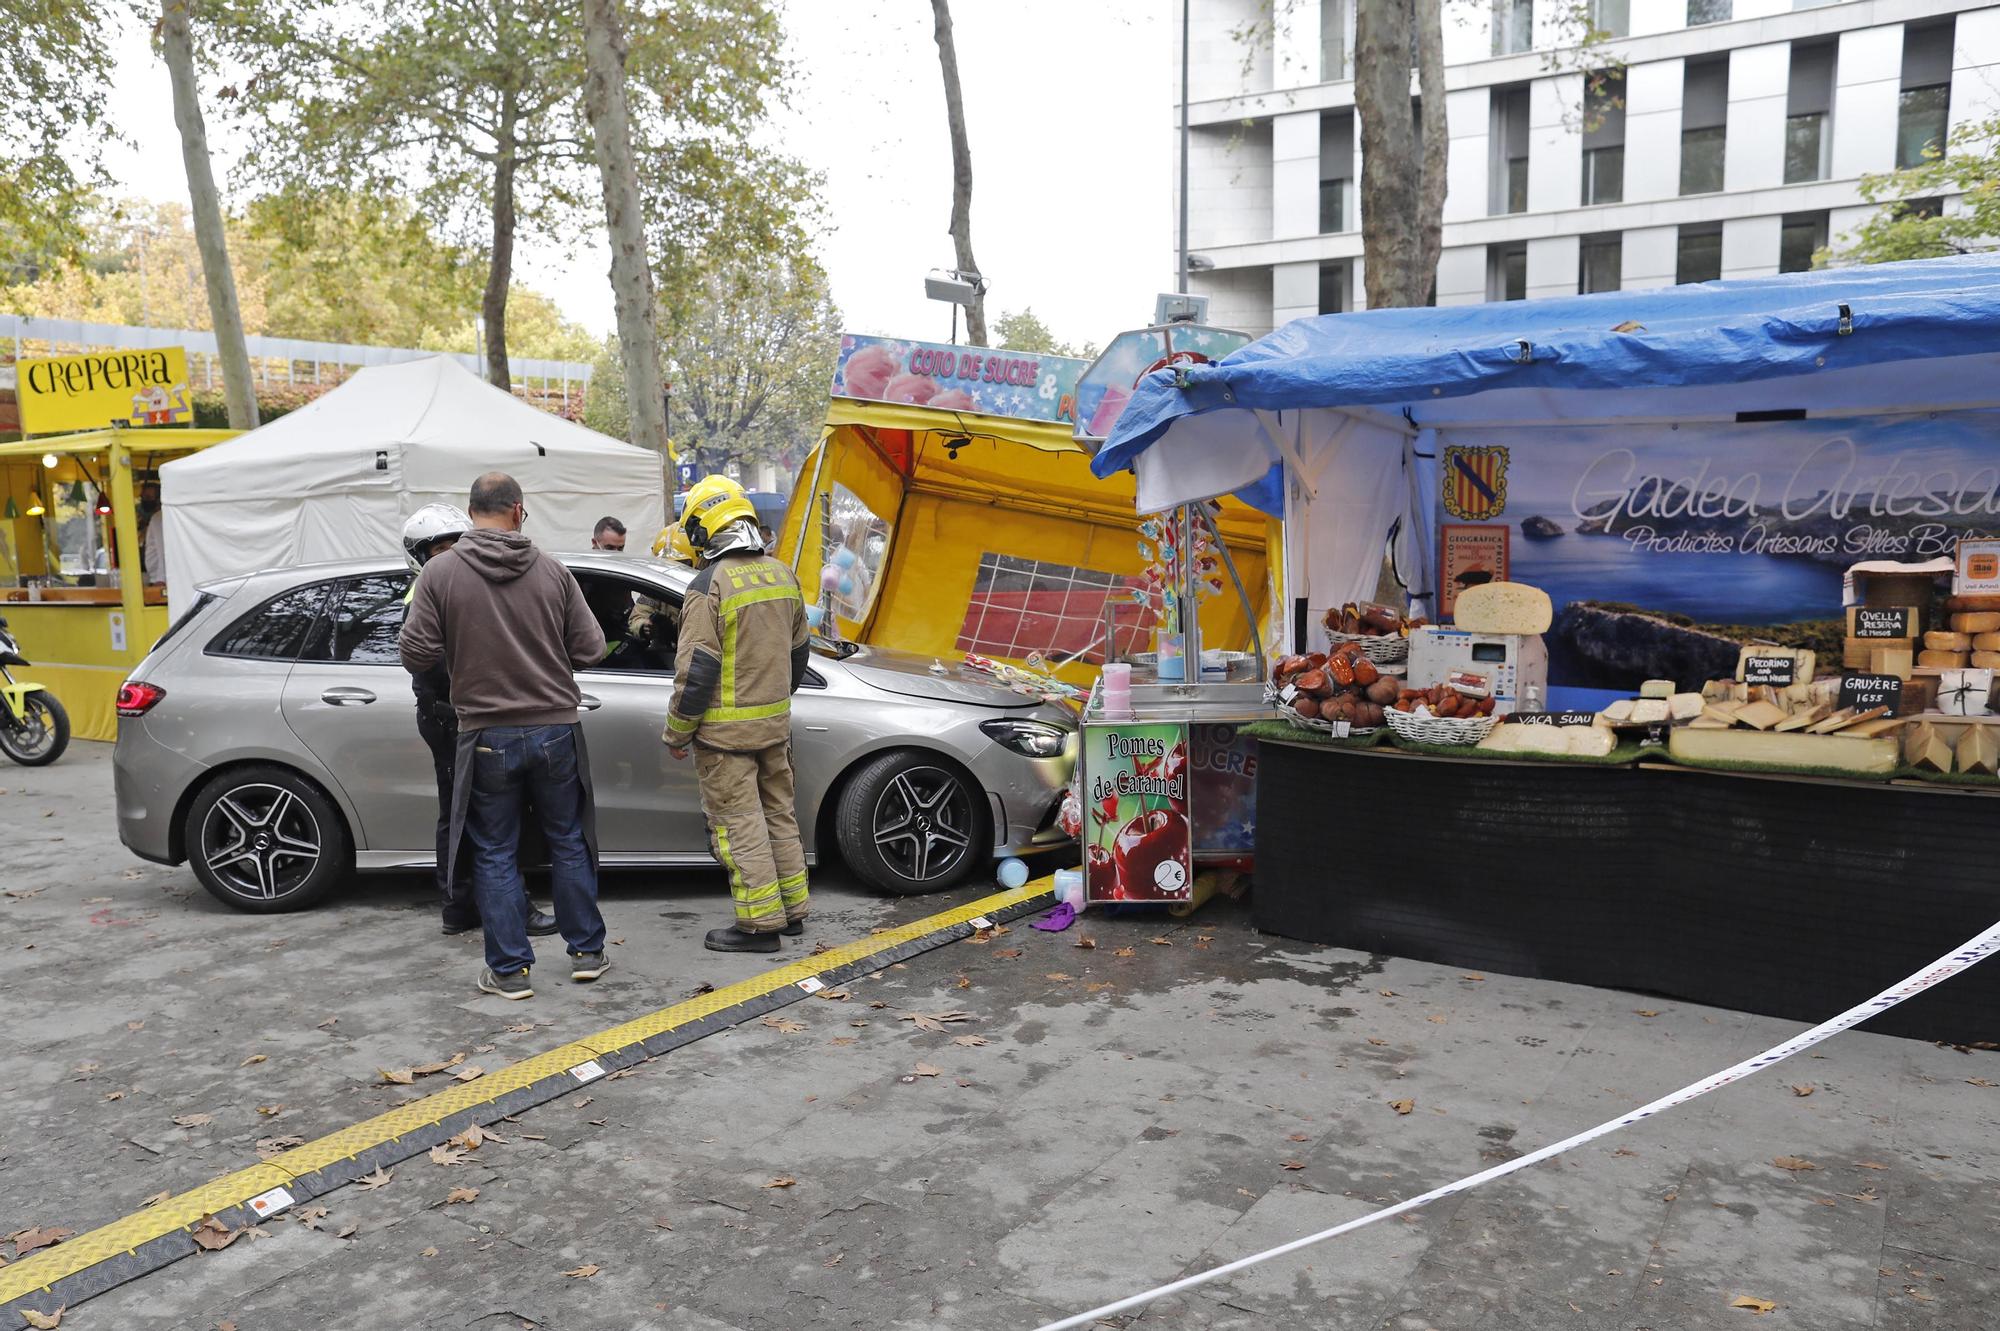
(34, 728)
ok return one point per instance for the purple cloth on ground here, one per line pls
(1057, 920)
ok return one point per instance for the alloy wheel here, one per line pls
(30, 737)
(261, 840)
(923, 823)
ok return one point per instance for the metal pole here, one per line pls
(1184, 147)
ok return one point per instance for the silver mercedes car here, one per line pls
(270, 739)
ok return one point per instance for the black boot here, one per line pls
(540, 923)
(794, 929)
(733, 939)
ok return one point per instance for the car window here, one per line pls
(363, 621)
(275, 630)
(641, 622)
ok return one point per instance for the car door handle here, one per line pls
(588, 703)
(341, 696)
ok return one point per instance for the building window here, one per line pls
(1699, 254)
(1813, 4)
(1924, 111)
(1709, 11)
(1600, 263)
(1799, 236)
(1508, 151)
(1336, 40)
(1809, 112)
(1336, 171)
(1704, 121)
(1513, 26)
(1333, 288)
(1507, 271)
(1604, 137)
(1611, 18)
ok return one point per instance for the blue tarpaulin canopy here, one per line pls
(1836, 340)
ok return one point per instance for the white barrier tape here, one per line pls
(1977, 949)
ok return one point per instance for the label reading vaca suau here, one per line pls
(1552, 718)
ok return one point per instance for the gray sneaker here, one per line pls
(587, 965)
(510, 987)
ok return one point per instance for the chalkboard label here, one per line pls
(1865, 691)
(1882, 622)
(1552, 718)
(1774, 670)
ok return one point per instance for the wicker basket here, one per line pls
(1381, 648)
(1320, 724)
(1440, 729)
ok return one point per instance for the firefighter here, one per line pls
(742, 654)
(432, 530)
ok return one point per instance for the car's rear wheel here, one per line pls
(909, 822)
(265, 839)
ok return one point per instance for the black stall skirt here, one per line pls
(1795, 898)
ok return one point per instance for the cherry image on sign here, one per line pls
(1137, 844)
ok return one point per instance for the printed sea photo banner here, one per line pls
(952, 378)
(1744, 526)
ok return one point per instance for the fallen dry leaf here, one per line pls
(35, 1237)
(781, 1181)
(1085, 942)
(44, 1321)
(525, 1028)
(926, 1070)
(211, 1235)
(1009, 952)
(156, 1198)
(1402, 1106)
(1161, 941)
(1291, 1164)
(660, 1222)
(254, 1058)
(475, 1136)
(1794, 1163)
(783, 1024)
(460, 1196)
(1057, 976)
(329, 1023)
(225, 1326)
(1868, 1164)
(395, 1076)
(1980, 1081)
(1647, 1011)
(445, 1155)
(583, 1272)
(470, 1072)
(369, 1182)
(348, 1231)
(269, 1147)
(1435, 1018)
(969, 1041)
(834, 995)
(1298, 1137)
(1803, 1091)
(1758, 1306)
(431, 1069)
(842, 1041)
(311, 1216)
(877, 1003)
(194, 1120)
(428, 1252)
(1386, 993)
(114, 1095)
(135, 1026)
(270, 1111)
(937, 1021)
(1126, 952)
(964, 982)
(1379, 1044)
(1096, 986)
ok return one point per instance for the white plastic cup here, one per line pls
(1117, 677)
(1069, 886)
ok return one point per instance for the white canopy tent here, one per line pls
(337, 479)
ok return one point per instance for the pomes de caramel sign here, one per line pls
(104, 388)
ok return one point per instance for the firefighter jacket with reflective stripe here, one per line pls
(742, 654)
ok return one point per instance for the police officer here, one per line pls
(431, 530)
(742, 654)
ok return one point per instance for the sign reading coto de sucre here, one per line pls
(102, 388)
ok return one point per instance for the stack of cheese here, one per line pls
(1658, 703)
(1973, 640)
(1937, 746)
(1795, 725)
(1594, 741)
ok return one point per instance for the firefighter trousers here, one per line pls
(753, 828)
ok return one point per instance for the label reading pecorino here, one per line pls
(1778, 671)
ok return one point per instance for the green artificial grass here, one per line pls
(1946, 778)
(1773, 769)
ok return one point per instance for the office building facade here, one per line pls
(1727, 139)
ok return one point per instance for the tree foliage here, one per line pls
(478, 105)
(53, 77)
(1023, 330)
(1912, 224)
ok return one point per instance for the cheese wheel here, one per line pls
(1977, 621)
(1986, 660)
(1503, 607)
(1939, 641)
(1973, 603)
(1947, 660)
(1986, 642)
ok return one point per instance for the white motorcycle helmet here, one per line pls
(429, 525)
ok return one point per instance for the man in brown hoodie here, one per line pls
(511, 624)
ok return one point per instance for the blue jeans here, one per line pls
(512, 764)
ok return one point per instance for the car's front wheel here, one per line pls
(264, 839)
(908, 823)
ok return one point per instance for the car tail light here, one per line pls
(136, 697)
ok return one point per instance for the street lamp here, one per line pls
(955, 288)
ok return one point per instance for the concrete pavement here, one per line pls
(1105, 1119)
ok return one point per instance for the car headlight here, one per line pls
(1030, 739)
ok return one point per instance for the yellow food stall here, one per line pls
(948, 508)
(73, 583)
